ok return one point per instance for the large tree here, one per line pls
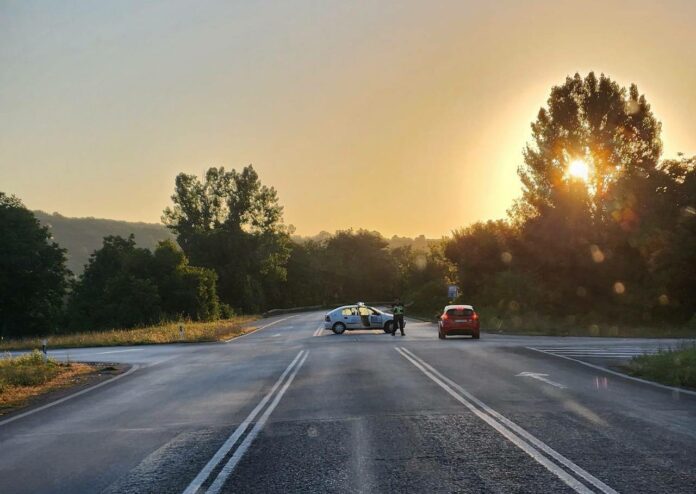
(598, 122)
(230, 222)
(32, 273)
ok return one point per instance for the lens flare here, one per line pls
(579, 169)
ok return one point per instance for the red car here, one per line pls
(459, 320)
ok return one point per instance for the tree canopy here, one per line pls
(33, 276)
(124, 286)
(609, 245)
(232, 223)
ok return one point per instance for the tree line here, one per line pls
(615, 241)
(618, 245)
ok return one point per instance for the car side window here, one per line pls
(346, 312)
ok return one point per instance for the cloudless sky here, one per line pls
(406, 117)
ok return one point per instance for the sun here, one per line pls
(579, 169)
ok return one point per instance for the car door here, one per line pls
(351, 318)
(376, 318)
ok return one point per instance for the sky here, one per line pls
(406, 117)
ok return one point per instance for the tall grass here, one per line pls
(674, 367)
(28, 375)
(26, 370)
(193, 332)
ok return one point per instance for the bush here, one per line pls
(27, 370)
(126, 286)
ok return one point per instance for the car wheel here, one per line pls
(339, 328)
(441, 335)
(388, 327)
(476, 336)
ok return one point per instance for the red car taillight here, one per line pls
(475, 316)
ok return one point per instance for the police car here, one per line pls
(358, 316)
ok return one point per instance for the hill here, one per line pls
(82, 236)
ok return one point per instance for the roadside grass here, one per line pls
(193, 332)
(534, 324)
(673, 367)
(29, 375)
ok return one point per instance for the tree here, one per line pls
(594, 120)
(231, 223)
(124, 286)
(33, 276)
(360, 266)
(617, 244)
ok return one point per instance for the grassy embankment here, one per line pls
(673, 368)
(194, 332)
(29, 375)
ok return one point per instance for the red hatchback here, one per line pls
(459, 320)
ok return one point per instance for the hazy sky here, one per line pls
(407, 117)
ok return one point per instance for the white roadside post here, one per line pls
(181, 332)
(44, 349)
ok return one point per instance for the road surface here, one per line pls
(292, 408)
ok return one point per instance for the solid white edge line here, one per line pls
(519, 430)
(70, 397)
(564, 476)
(234, 338)
(230, 442)
(239, 452)
(619, 374)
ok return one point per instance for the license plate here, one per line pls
(461, 320)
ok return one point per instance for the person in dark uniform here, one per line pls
(398, 311)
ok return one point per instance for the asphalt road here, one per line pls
(291, 408)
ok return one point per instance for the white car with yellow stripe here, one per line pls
(358, 316)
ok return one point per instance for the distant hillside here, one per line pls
(419, 243)
(82, 236)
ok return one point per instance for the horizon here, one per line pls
(108, 104)
(293, 234)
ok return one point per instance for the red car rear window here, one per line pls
(460, 312)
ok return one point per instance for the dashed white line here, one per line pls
(260, 328)
(120, 351)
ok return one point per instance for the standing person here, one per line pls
(398, 311)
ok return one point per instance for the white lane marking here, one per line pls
(260, 328)
(119, 351)
(275, 335)
(542, 378)
(318, 331)
(70, 397)
(506, 427)
(230, 442)
(619, 374)
(232, 463)
(599, 355)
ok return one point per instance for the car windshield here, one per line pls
(330, 246)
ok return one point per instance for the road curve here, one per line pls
(291, 408)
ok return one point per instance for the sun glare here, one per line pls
(579, 169)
